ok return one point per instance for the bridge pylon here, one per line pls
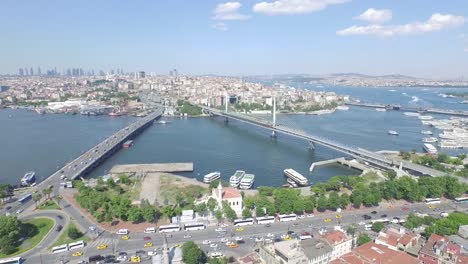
(311, 145)
(273, 132)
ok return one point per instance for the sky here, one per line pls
(423, 38)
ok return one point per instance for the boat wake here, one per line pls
(415, 99)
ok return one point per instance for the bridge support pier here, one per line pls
(226, 120)
(273, 134)
(311, 145)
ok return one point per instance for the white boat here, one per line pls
(292, 183)
(212, 176)
(430, 148)
(235, 179)
(411, 114)
(247, 181)
(392, 132)
(380, 109)
(28, 178)
(342, 107)
(426, 132)
(296, 176)
(425, 117)
(430, 140)
(162, 122)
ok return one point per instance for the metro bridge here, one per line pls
(364, 155)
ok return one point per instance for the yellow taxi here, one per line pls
(338, 216)
(149, 244)
(432, 206)
(102, 246)
(239, 229)
(77, 254)
(135, 259)
(233, 245)
(327, 220)
(125, 237)
(287, 238)
(177, 245)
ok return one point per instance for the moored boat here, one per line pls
(296, 177)
(392, 133)
(212, 176)
(235, 179)
(247, 181)
(28, 178)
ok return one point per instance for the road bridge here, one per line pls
(423, 110)
(364, 155)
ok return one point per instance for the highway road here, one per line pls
(310, 224)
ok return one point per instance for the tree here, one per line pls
(10, 230)
(377, 226)
(5, 190)
(201, 208)
(246, 213)
(344, 200)
(265, 190)
(391, 174)
(309, 204)
(134, 214)
(36, 198)
(218, 215)
(351, 230)
(228, 211)
(148, 213)
(333, 200)
(58, 199)
(448, 226)
(212, 203)
(363, 239)
(74, 233)
(322, 203)
(298, 206)
(192, 254)
(46, 192)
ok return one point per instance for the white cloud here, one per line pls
(281, 7)
(376, 16)
(436, 22)
(229, 11)
(220, 26)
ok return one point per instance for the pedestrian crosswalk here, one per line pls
(102, 241)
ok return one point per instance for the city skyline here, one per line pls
(239, 38)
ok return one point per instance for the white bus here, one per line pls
(16, 260)
(368, 227)
(169, 228)
(432, 200)
(265, 220)
(461, 199)
(76, 245)
(383, 220)
(243, 222)
(194, 226)
(287, 217)
(150, 230)
(61, 248)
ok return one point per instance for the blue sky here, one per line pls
(427, 38)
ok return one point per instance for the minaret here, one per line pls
(220, 194)
(165, 251)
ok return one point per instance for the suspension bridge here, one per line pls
(290, 129)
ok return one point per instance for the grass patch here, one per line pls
(49, 205)
(39, 228)
(371, 177)
(64, 239)
(170, 188)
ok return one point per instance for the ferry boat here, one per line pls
(430, 148)
(342, 107)
(296, 176)
(426, 132)
(212, 176)
(425, 117)
(28, 178)
(115, 114)
(162, 122)
(235, 179)
(430, 140)
(392, 132)
(247, 181)
(381, 110)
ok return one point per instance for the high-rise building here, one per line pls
(26, 72)
(141, 75)
(20, 72)
(39, 71)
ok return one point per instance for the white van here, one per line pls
(150, 230)
(122, 232)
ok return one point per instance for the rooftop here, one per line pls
(374, 253)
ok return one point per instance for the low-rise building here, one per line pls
(340, 242)
(399, 239)
(372, 253)
(231, 195)
(439, 250)
(310, 251)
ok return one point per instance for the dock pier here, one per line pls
(342, 161)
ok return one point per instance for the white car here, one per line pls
(215, 254)
(122, 232)
(270, 235)
(213, 245)
(363, 223)
(220, 229)
(206, 242)
(152, 253)
(19, 211)
(150, 230)
(187, 236)
(259, 239)
(122, 258)
(238, 238)
(224, 240)
(310, 215)
(229, 243)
